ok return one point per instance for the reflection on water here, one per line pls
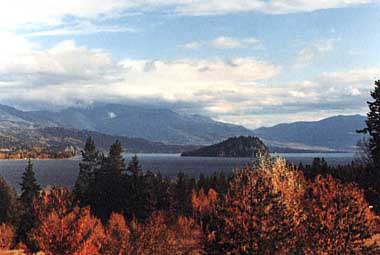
(64, 172)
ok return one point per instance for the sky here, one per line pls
(249, 62)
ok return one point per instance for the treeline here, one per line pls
(363, 173)
(268, 207)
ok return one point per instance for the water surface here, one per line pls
(64, 172)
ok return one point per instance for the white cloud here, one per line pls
(214, 7)
(20, 13)
(225, 42)
(313, 52)
(192, 45)
(80, 28)
(238, 90)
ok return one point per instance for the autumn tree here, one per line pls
(338, 218)
(63, 228)
(252, 218)
(373, 125)
(117, 236)
(7, 236)
(204, 206)
(160, 236)
(289, 182)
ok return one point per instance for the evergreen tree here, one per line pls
(373, 125)
(9, 206)
(87, 169)
(30, 191)
(134, 167)
(29, 187)
(108, 192)
(116, 161)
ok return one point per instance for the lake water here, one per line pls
(64, 172)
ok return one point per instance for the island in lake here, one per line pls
(242, 146)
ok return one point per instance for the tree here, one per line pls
(339, 220)
(134, 167)
(108, 191)
(117, 236)
(87, 168)
(252, 218)
(116, 160)
(30, 191)
(7, 236)
(63, 228)
(160, 236)
(29, 187)
(373, 125)
(9, 205)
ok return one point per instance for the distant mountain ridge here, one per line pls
(334, 133)
(159, 125)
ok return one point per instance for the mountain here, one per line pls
(232, 147)
(335, 133)
(160, 125)
(168, 127)
(12, 118)
(58, 139)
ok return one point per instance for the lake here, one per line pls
(64, 172)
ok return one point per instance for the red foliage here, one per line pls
(65, 231)
(7, 235)
(338, 218)
(117, 236)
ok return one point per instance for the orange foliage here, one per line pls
(338, 218)
(65, 231)
(202, 203)
(158, 236)
(7, 235)
(117, 235)
(252, 218)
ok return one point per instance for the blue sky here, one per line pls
(255, 63)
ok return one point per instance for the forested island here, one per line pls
(242, 146)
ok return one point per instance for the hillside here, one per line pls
(57, 139)
(160, 125)
(334, 133)
(232, 147)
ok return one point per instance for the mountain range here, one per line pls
(168, 127)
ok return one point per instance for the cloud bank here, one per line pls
(241, 90)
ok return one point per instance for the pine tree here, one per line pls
(134, 166)
(9, 205)
(373, 125)
(30, 191)
(87, 169)
(29, 187)
(116, 160)
(108, 192)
